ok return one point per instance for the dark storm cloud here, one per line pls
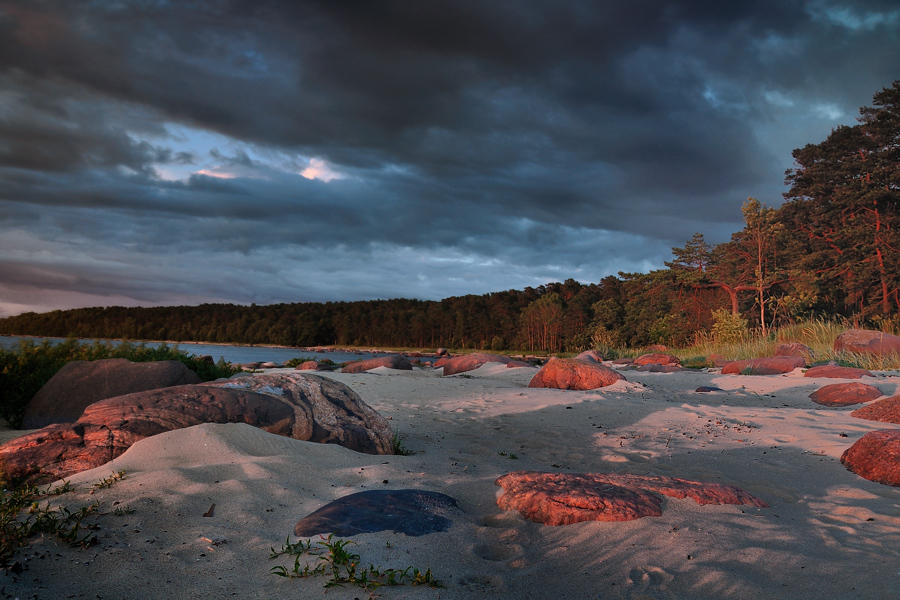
(540, 135)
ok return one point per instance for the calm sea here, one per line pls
(233, 354)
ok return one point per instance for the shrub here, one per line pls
(728, 328)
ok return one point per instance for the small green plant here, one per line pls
(121, 511)
(508, 455)
(25, 512)
(398, 447)
(109, 481)
(332, 558)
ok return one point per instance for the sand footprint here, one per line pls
(649, 583)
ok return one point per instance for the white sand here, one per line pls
(828, 533)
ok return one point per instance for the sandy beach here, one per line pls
(827, 532)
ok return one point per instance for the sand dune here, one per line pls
(828, 532)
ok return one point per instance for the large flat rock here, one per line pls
(412, 512)
(564, 498)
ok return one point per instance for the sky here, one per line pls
(181, 152)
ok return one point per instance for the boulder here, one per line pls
(269, 365)
(590, 356)
(311, 365)
(441, 362)
(845, 394)
(570, 374)
(564, 498)
(411, 512)
(657, 359)
(469, 362)
(885, 411)
(394, 361)
(657, 348)
(206, 358)
(513, 364)
(865, 341)
(836, 372)
(442, 352)
(794, 349)
(655, 368)
(81, 383)
(876, 457)
(304, 407)
(764, 366)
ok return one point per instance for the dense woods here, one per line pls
(831, 250)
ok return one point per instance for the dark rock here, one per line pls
(836, 372)
(708, 388)
(395, 361)
(304, 407)
(794, 349)
(570, 374)
(764, 366)
(657, 359)
(885, 411)
(623, 361)
(865, 341)
(442, 352)
(564, 498)
(411, 512)
(845, 394)
(469, 362)
(81, 383)
(876, 457)
(206, 358)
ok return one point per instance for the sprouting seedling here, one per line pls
(109, 481)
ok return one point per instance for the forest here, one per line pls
(830, 251)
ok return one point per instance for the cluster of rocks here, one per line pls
(93, 430)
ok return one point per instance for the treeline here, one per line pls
(832, 250)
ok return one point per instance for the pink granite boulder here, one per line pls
(845, 394)
(469, 362)
(876, 457)
(865, 341)
(311, 365)
(395, 361)
(570, 374)
(591, 356)
(836, 372)
(657, 359)
(564, 498)
(885, 411)
(764, 366)
(81, 383)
